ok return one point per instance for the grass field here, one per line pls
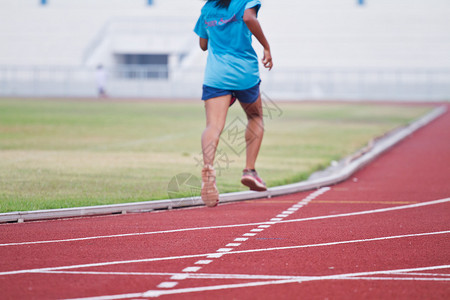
(68, 153)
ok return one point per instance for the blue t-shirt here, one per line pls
(232, 62)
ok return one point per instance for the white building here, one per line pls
(321, 48)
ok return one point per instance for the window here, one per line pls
(143, 66)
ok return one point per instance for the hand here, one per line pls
(267, 59)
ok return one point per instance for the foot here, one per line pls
(210, 194)
(251, 179)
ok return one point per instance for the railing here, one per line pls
(163, 82)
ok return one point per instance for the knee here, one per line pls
(255, 116)
(213, 131)
(254, 112)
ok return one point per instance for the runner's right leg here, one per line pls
(216, 110)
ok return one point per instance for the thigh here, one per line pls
(253, 109)
(216, 111)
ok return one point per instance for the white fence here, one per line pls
(289, 84)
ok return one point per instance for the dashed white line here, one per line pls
(203, 262)
(264, 226)
(229, 248)
(354, 276)
(242, 239)
(252, 232)
(167, 284)
(179, 276)
(214, 255)
(191, 269)
(224, 250)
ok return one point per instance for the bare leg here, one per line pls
(216, 113)
(255, 131)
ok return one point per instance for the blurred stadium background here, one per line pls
(323, 49)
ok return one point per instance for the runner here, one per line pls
(225, 28)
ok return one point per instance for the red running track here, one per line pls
(385, 233)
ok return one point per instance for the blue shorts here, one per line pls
(245, 96)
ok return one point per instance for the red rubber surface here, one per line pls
(398, 254)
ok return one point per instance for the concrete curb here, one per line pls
(335, 174)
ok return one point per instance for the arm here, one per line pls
(253, 25)
(204, 44)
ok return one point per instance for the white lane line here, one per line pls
(252, 232)
(37, 270)
(241, 239)
(113, 297)
(191, 269)
(111, 263)
(264, 226)
(136, 234)
(369, 273)
(261, 228)
(396, 278)
(348, 276)
(167, 284)
(216, 287)
(178, 276)
(366, 212)
(282, 215)
(203, 262)
(224, 250)
(415, 205)
(423, 274)
(153, 293)
(410, 271)
(214, 255)
(131, 234)
(342, 243)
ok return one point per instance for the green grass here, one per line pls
(56, 154)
